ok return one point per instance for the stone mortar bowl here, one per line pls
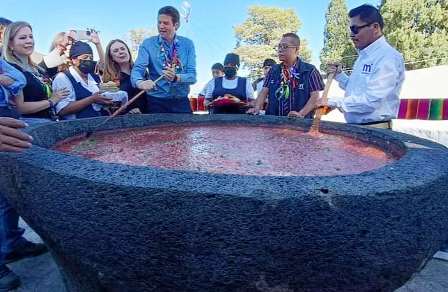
(114, 227)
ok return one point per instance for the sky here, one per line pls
(210, 25)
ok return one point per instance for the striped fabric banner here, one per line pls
(423, 109)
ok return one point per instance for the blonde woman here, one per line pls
(118, 69)
(37, 102)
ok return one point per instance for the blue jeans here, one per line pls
(168, 105)
(10, 232)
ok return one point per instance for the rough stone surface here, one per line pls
(40, 274)
(114, 227)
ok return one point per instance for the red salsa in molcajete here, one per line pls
(231, 149)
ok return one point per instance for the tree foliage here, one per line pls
(261, 32)
(418, 29)
(337, 44)
(137, 36)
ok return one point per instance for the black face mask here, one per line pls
(87, 66)
(230, 72)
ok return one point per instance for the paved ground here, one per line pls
(40, 274)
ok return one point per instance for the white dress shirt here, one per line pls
(61, 81)
(372, 90)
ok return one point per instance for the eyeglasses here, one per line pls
(355, 29)
(282, 47)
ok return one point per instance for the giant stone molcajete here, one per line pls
(114, 227)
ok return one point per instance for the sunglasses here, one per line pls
(282, 47)
(355, 29)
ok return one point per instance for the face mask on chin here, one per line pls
(229, 72)
(87, 66)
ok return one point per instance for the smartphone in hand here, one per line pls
(80, 35)
(83, 35)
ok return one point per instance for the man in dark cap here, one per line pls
(82, 82)
(292, 87)
(237, 89)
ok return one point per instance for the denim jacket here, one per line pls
(14, 88)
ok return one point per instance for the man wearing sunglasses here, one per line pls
(372, 90)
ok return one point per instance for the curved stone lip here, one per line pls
(391, 178)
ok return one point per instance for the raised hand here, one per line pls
(94, 37)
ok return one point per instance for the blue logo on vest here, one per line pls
(367, 68)
(301, 86)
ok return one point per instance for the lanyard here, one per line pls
(289, 79)
(169, 55)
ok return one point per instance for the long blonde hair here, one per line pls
(10, 32)
(112, 69)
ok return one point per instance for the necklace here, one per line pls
(289, 79)
(169, 55)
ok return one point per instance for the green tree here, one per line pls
(258, 36)
(137, 36)
(418, 29)
(337, 44)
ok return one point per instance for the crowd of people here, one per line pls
(67, 84)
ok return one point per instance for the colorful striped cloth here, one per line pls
(423, 109)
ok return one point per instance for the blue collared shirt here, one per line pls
(13, 89)
(151, 57)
